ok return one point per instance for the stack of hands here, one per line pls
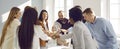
(56, 35)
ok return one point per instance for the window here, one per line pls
(59, 5)
(63, 5)
(115, 15)
(69, 5)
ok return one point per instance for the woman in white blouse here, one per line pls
(29, 32)
(43, 20)
(8, 38)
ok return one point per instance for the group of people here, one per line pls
(86, 30)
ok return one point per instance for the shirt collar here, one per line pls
(95, 19)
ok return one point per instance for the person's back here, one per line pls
(26, 29)
(83, 37)
(9, 32)
(10, 40)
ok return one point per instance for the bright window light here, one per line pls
(115, 15)
(22, 6)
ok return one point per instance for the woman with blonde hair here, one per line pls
(8, 38)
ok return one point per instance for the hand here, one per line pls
(64, 30)
(51, 34)
(62, 42)
(55, 36)
(66, 44)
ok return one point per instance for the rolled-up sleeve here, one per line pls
(40, 33)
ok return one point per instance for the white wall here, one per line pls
(49, 6)
(6, 5)
(105, 9)
(38, 4)
(94, 4)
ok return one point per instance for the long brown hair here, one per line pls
(10, 18)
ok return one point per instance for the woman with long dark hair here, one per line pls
(29, 32)
(43, 19)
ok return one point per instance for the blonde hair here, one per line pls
(89, 11)
(10, 18)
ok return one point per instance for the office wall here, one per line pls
(38, 4)
(49, 6)
(94, 4)
(6, 5)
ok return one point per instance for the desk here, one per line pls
(60, 47)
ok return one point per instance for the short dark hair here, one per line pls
(77, 6)
(76, 14)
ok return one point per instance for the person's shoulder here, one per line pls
(37, 28)
(15, 22)
(103, 20)
(78, 24)
(100, 19)
(57, 24)
(57, 21)
(65, 18)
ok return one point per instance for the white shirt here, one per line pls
(10, 37)
(81, 37)
(38, 34)
(56, 26)
(46, 28)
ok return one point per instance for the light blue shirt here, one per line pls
(103, 32)
(81, 37)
